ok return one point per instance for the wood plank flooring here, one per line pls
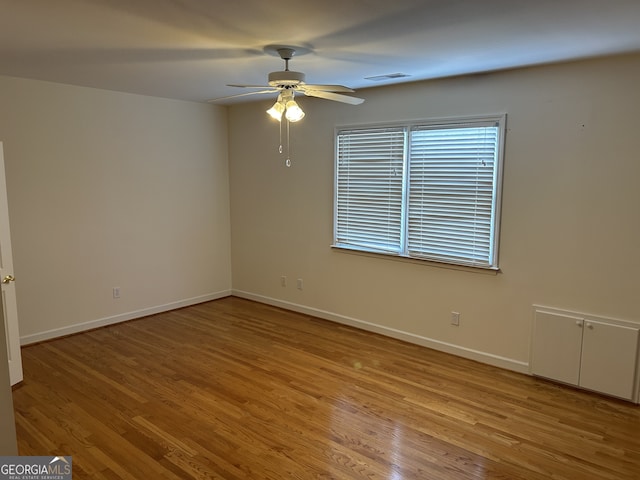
(236, 390)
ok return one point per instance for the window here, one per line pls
(427, 190)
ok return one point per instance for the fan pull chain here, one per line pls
(288, 161)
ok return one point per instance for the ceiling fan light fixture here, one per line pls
(293, 112)
(277, 109)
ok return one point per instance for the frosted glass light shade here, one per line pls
(276, 111)
(294, 113)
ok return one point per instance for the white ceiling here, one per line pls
(190, 49)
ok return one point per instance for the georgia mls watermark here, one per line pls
(35, 468)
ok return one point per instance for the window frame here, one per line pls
(430, 123)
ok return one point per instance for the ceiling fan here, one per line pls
(287, 83)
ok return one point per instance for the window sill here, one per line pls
(418, 261)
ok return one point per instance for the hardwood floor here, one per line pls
(233, 389)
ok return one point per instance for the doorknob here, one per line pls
(8, 279)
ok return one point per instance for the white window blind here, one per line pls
(369, 188)
(451, 193)
(427, 190)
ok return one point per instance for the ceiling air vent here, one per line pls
(388, 76)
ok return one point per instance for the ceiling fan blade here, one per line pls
(247, 86)
(334, 96)
(242, 95)
(327, 88)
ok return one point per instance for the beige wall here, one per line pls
(570, 219)
(109, 189)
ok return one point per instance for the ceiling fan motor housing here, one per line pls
(286, 78)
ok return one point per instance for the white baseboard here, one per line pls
(123, 317)
(483, 357)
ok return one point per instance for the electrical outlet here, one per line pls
(283, 281)
(455, 319)
(116, 292)
(299, 284)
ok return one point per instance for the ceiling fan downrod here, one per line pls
(286, 54)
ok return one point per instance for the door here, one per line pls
(9, 303)
(8, 444)
(556, 346)
(609, 355)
